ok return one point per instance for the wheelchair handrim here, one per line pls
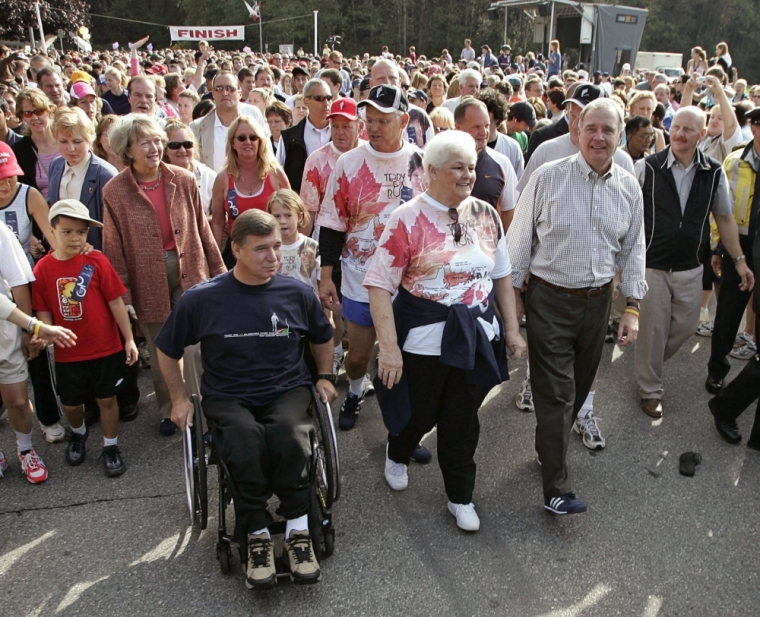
(187, 459)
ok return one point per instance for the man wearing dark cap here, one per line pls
(583, 94)
(521, 117)
(418, 98)
(366, 186)
(505, 58)
(741, 167)
(300, 77)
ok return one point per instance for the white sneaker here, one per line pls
(369, 387)
(705, 328)
(337, 361)
(395, 473)
(3, 464)
(54, 433)
(588, 429)
(467, 518)
(524, 398)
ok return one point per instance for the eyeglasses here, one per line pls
(229, 89)
(456, 227)
(176, 145)
(319, 98)
(381, 123)
(243, 138)
(36, 112)
(440, 129)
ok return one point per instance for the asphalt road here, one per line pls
(652, 543)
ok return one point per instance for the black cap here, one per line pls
(387, 99)
(584, 94)
(524, 112)
(417, 94)
(753, 116)
(364, 85)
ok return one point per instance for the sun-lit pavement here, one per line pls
(652, 543)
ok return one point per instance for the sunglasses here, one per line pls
(456, 227)
(320, 99)
(243, 138)
(176, 145)
(229, 89)
(36, 112)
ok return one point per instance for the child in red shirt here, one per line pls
(83, 293)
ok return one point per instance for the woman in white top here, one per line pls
(180, 151)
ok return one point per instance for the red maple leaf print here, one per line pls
(313, 177)
(427, 244)
(397, 245)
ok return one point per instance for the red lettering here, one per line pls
(182, 33)
(232, 32)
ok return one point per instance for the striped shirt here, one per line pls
(571, 227)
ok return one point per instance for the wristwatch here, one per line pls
(329, 377)
(740, 258)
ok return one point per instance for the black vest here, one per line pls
(674, 240)
(295, 154)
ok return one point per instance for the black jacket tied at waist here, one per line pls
(465, 345)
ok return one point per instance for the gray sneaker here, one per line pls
(261, 572)
(745, 352)
(524, 398)
(588, 429)
(304, 569)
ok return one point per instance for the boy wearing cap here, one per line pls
(83, 293)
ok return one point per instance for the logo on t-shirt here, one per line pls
(71, 310)
(276, 330)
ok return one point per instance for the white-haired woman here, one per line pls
(442, 345)
(158, 239)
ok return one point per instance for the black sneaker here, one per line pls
(349, 412)
(421, 455)
(76, 452)
(112, 462)
(611, 334)
(128, 413)
(564, 504)
(167, 428)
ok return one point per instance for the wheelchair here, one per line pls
(324, 479)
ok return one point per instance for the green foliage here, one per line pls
(17, 16)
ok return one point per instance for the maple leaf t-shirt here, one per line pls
(90, 318)
(365, 187)
(417, 251)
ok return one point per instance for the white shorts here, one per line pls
(13, 368)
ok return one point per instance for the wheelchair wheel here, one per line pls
(315, 523)
(327, 472)
(199, 467)
(224, 559)
(329, 540)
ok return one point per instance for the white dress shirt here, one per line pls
(313, 137)
(73, 179)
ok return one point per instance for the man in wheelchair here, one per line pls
(252, 325)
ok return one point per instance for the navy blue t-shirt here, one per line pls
(251, 336)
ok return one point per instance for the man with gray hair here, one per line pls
(682, 187)
(298, 142)
(561, 235)
(469, 84)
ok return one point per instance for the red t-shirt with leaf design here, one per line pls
(417, 250)
(364, 189)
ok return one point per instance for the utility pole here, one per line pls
(316, 35)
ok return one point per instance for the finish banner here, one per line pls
(207, 33)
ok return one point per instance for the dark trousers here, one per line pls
(565, 343)
(46, 403)
(744, 390)
(728, 314)
(267, 450)
(440, 395)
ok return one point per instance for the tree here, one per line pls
(19, 15)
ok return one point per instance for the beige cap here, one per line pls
(73, 209)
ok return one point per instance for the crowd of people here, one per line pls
(234, 222)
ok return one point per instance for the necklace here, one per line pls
(151, 188)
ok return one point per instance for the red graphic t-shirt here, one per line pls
(91, 319)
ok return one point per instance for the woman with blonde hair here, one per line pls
(38, 148)
(261, 98)
(101, 147)
(246, 181)
(642, 103)
(116, 95)
(722, 57)
(186, 102)
(182, 151)
(442, 119)
(698, 62)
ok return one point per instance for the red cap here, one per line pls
(8, 164)
(345, 107)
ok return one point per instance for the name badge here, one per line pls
(83, 282)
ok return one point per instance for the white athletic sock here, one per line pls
(356, 386)
(110, 442)
(338, 348)
(527, 372)
(23, 442)
(297, 524)
(82, 430)
(588, 405)
(262, 530)
(704, 314)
